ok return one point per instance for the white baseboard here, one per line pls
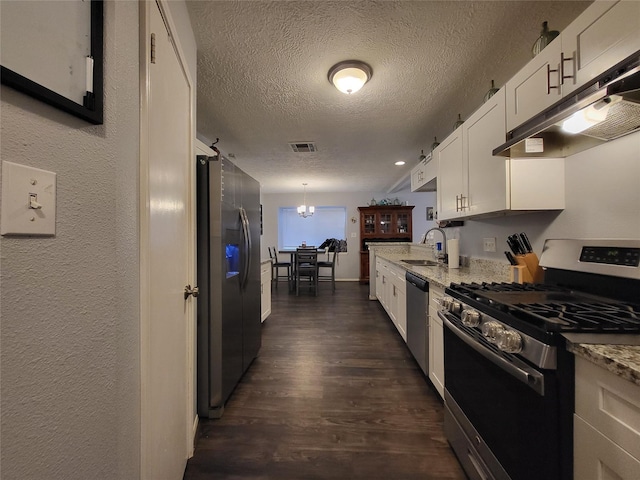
(194, 432)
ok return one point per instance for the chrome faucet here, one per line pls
(444, 241)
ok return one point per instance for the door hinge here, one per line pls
(153, 48)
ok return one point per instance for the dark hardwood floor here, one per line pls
(333, 394)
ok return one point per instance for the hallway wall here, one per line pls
(69, 338)
(70, 313)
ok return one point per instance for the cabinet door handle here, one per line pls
(457, 203)
(463, 205)
(549, 86)
(564, 77)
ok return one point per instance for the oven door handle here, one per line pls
(530, 377)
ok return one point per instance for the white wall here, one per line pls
(69, 338)
(348, 264)
(602, 201)
(70, 362)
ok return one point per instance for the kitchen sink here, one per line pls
(420, 262)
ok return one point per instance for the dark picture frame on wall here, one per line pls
(72, 78)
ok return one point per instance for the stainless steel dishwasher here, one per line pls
(417, 318)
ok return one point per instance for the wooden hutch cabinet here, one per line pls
(383, 223)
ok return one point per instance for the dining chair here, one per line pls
(331, 265)
(306, 267)
(276, 266)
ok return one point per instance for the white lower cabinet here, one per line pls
(378, 279)
(265, 290)
(400, 292)
(391, 291)
(606, 428)
(436, 339)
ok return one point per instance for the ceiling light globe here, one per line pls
(349, 76)
(349, 80)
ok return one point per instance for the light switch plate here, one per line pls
(28, 200)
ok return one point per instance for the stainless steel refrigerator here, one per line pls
(228, 246)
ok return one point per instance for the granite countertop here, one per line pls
(623, 360)
(479, 270)
(262, 262)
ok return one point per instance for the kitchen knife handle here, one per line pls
(513, 245)
(526, 242)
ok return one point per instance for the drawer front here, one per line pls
(597, 458)
(609, 403)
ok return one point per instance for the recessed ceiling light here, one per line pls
(400, 162)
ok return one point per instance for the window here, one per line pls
(326, 222)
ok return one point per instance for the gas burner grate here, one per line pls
(551, 308)
(597, 316)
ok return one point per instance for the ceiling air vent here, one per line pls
(303, 147)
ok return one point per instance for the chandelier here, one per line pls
(303, 210)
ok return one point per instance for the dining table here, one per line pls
(292, 252)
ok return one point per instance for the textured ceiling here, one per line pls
(262, 81)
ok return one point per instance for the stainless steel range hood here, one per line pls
(617, 90)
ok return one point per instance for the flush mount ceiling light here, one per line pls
(349, 76)
(303, 210)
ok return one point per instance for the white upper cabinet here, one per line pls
(605, 34)
(423, 175)
(535, 87)
(451, 184)
(472, 182)
(487, 188)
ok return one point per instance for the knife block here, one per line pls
(520, 274)
(528, 270)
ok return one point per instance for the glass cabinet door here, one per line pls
(402, 223)
(369, 223)
(385, 223)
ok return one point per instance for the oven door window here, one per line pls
(519, 425)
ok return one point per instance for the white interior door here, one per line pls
(167, 254)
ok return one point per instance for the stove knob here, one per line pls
(491, 330)
(446, 302)
(470, 318)
(509, 341)
(455, 306)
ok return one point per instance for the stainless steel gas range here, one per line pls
(509, 380)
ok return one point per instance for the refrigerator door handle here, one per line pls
(247, 244)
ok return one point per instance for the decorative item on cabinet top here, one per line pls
(386, 201)
(459, 122)
(545, 38)
(492, 91)
(435, 143)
